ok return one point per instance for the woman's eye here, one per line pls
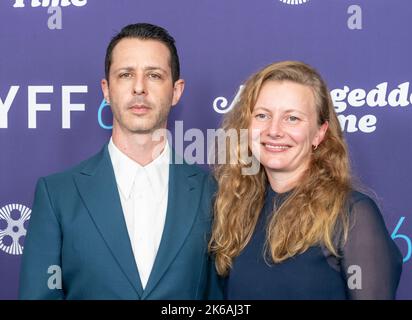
(293, 118)
(261, 116)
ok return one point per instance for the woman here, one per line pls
(297, 229)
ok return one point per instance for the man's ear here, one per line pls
(178, 88)
(105, 89)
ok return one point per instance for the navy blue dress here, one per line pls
(317, 274)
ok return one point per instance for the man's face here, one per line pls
(141, 90)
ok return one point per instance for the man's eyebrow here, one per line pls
(123, 69)
(148, 68)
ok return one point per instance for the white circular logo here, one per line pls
(294, 1)
(14, 219)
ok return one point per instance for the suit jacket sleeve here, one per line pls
(40, 274)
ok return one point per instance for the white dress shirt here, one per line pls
(143, 194)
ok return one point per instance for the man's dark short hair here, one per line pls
(145, 31)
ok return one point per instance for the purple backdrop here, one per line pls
(360, 44)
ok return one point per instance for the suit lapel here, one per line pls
(97, 187)
(181, 212)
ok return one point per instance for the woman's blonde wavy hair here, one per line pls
(310, 214)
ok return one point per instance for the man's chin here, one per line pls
(143, 130)
(147, 130)
(144, 127)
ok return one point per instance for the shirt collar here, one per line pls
(126, 169)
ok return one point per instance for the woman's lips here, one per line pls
(276, 147)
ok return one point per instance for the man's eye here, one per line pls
(155, 76)
(125, 75)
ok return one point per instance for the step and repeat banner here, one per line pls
(52, 112)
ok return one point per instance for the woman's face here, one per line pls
(284, 127)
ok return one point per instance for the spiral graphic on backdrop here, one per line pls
(220, 104)
(14, 219)
(294, 1)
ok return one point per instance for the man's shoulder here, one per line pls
(202, 174)
(205, 176)
(84, 166)
(192, 170)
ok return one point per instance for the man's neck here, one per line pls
(139, 147)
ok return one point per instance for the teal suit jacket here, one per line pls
(77, 224)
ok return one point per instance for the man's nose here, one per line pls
(139, 86)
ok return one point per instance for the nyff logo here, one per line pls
(49, 3)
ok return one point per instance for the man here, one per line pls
(126, 223)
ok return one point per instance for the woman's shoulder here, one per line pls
(364, 211)
(357, 198)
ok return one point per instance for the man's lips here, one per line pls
(140, 109)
